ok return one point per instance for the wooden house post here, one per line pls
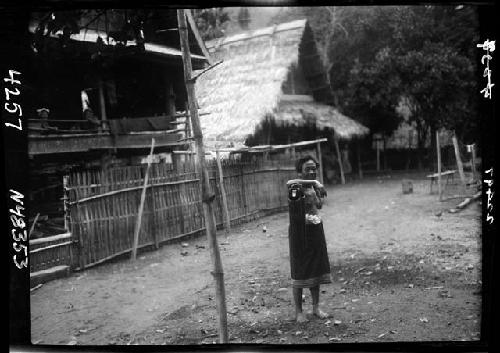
(438, 149)
(102, 101)
(358, 156)
(207, 194)
(318, 151)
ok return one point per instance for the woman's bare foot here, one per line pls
(320, 314)
(300, 317)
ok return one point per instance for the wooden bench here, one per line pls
(448, 176)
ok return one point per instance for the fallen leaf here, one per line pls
(382, 335)
(160, 331)
(424, 319)
(337, 322)
(298, 333)
(184, 245)
(410, 285)
(331, 339)
(328, 322)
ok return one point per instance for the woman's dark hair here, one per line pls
(301, 161)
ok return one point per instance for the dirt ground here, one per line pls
(403, 269)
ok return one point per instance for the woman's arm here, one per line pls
(320, 189)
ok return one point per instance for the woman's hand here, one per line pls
(320, 189)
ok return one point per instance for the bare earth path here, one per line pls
(400, 273)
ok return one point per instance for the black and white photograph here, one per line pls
(266, 173)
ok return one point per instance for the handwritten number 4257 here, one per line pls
(11, 107)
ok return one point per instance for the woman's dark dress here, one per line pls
(309, 263)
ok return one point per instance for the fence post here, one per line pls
(243, 192)
(225, 210)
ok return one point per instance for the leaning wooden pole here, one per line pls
(227, 220)
(438, 149)
(339, 159)
(207, 195)
(138, 222)
(460, 165)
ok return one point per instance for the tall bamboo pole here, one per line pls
(438, 149)
(207, 195)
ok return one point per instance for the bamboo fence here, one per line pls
(103, 206)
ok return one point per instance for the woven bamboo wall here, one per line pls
(104, 205)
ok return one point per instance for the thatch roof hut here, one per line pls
(274, 71)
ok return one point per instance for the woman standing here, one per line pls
(309, 262)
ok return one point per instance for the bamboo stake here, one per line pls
(318, 149)
(33, 225)
(227, 222)
(207, 194)
(339, 159)
(141, 205)
(460, 166)
(438, 149)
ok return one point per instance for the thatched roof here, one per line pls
(296, 110)
(247, 85)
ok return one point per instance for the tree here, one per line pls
(244, 18)
(423, 54)
(211, 22)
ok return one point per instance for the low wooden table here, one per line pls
(448, 176)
